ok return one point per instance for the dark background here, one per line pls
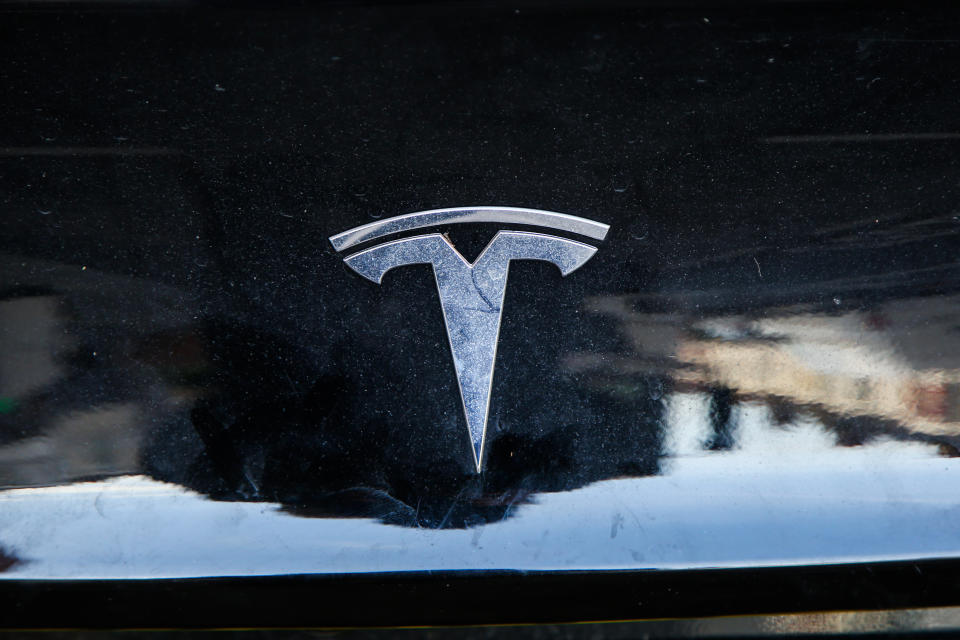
(170, 174)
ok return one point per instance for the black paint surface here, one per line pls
(169, 178)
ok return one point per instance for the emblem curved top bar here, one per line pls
(459, 215)
(472, 294)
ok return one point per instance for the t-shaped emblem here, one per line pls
(471, 295)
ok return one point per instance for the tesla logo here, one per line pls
(471, 294)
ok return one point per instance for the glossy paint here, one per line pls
(759, 369)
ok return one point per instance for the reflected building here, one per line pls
(863, 373)
(39, 447)
(74, 403)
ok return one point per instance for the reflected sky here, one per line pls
(794, 498)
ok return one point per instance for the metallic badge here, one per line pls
(471, 295)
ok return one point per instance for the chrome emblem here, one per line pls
(471, 295)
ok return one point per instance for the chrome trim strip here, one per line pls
(458, 215)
